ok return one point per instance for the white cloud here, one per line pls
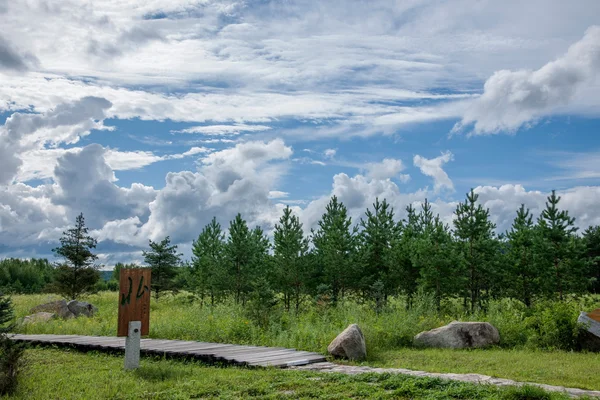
(224, 129)
(433, 168)
(513, 99)
(388, 168)
(330, 153)
(277, 194)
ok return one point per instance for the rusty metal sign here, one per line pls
(134, 299)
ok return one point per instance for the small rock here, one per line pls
(38, 317)
(349, 344)
(459, 335)
(81, 308)
(58, 307)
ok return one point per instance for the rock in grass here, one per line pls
(589, 337)
(58, 307)
(38, 317)
(349, 344)
(81, 308)
(459, 335)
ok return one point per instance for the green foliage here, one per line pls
(11, 353)
(290, 258)
(163, 259)
(78, 274)
(25, 276)
(591, 238)
(335, 249)
(208, 262)
(261, 307)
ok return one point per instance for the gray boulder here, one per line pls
(81, 308)
(589, 337)
(38, 317)
(58, 307)
(349, 344)
(459, 335)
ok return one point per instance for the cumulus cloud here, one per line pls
(513, 99)
(330, 153)
(433, 168)
(12, 60)
(388, 168)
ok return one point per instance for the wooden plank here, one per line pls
(134, 299)
(247, 358)
(287, 362)
(595, 315)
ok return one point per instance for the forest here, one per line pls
(540, 257)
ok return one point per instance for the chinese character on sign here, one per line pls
(134, 305)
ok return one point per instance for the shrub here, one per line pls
(10, 352)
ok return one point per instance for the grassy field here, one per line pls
(388, 334)
(54, 374)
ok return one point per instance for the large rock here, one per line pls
(38, 317)
(81, 308)
(349, 344)
(58, 307)
(459, 335)
(589, 338)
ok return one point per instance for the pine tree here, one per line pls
(379, 231)
(522, 275)
(475, 233)
(78, 274)
(335, 246)
(163, 259)
(11, 352)
(402, 265)
(558, 247)
(290, 249)
(591, 238)
(208, 260)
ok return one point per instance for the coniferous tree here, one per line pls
(475, 233)
(78, 274)
(11, 352)
(290, 250)
(522, 275)
(435, 258)
(558, 248)
(163, 259)
(208, 261)
(403, 266)
(379, 231)
(335, 247)
(591, 238)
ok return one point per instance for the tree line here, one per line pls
(373, 258)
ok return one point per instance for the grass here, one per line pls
(70, 375)
(570, 369)
(388, 334)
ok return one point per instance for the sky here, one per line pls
(152, 117)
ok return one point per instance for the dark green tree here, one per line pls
(378, 232)
(290, 250)
(403, 267)
(591, 238)
(208, 261)
(475, 234)
(558, 248)
(335, 248)
(11, 352)
(163, 259)
(522, 275)
(78, 274)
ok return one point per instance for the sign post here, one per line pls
(134, 311)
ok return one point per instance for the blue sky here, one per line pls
(151, 117)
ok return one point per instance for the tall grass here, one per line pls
(548, 325)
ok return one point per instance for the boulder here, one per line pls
(58, 307)
(349, 344)
(81, 308)
(459, 335)
(589, 337)
(38, 317)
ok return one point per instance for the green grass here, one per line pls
(388, 335)
(580, 370)
(61, 374)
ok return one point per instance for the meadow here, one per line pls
(537, 345)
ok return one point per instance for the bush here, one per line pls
(11, 353)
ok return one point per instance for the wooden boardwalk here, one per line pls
(256, 356)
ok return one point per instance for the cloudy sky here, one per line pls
(151, 117)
